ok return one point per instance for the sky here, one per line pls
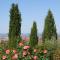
(31, 10)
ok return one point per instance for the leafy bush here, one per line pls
(23, 52)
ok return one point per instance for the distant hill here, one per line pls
(4, 36)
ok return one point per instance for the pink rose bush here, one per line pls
(7, 51)
(45, 51)
(4, 57)
(23, 52)
(35, 58)
(21, 44)
(14, 51)
(15, 57)
(35, 50)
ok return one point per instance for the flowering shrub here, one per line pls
(23, 52)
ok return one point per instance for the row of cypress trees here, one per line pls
(15, 28)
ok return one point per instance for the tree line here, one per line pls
(49, 31)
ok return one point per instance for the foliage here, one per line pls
(23, 52)
(33, 36)
(50, 27)
(14, 25)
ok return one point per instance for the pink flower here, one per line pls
(15, 56)
(45, 51)
(35, 50)
(4, 57)
(26, 47)
(21, 44)
(35, 57)
(7, 51)
(24, 53)
(14, 51)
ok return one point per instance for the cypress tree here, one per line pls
(14, 25)
(33, 36)
(49, 27)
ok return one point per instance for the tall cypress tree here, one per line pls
(49, 27)
(14, 25)
(33, 36)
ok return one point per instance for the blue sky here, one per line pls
(31, 10)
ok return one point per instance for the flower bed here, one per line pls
(23, 52)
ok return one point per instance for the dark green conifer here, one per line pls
(49, 27)
(33, 36)
(14, 25)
